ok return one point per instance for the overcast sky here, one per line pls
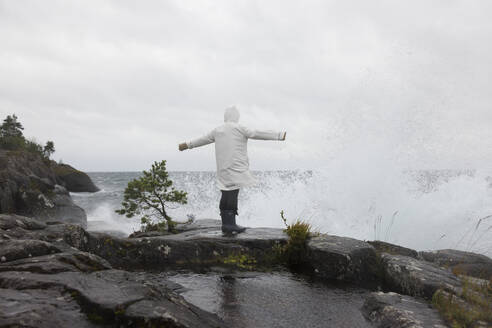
(118, 84)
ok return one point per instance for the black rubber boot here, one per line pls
(229, 222)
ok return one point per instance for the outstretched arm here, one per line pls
(205, 140)
(263, 135)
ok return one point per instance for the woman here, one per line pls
(231, 153)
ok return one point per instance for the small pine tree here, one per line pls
(11, 127)
(150, 196)
(49, 149)
(11, 136)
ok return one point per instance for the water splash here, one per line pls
(418, 209)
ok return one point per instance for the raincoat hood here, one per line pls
(231, 114)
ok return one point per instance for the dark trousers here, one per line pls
(228, 201)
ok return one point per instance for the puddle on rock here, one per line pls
(274, 300)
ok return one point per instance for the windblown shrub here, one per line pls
(150, 196)
(293, 253)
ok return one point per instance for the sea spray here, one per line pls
(421, 209)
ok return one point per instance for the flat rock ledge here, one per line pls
(391, 310)
(384, 247)
(115, 297)
(411, 276)
(204, 245)
(193, 249)
(342, 258)
(460, 262)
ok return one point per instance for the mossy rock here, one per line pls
(75, 180)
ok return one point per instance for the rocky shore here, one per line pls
(86, 279)
(54, 273)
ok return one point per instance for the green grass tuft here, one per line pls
(96, 318)
(293, 253)
(241, 261)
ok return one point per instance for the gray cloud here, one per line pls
(117, 84)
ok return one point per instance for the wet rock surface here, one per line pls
(96, 277)
(57, 205)
(471, 264)
(27, 230)
(40, 308)
(10, 221)
(11, 250)
(115, 297)
(63, 210)
(47, 280)
(391, 310)
(60, 262)
(278, 299)
(343, 258)
(410, 276)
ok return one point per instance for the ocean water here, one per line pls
(421, 209)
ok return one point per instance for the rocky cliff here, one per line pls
(73, 179)
(36, 187)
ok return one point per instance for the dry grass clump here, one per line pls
(472, 308)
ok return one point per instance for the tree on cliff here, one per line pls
(11, 127)
(11, 133)
(150, 196)
(12, 138)
(49, 149)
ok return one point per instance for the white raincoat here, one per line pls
(231, 150)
